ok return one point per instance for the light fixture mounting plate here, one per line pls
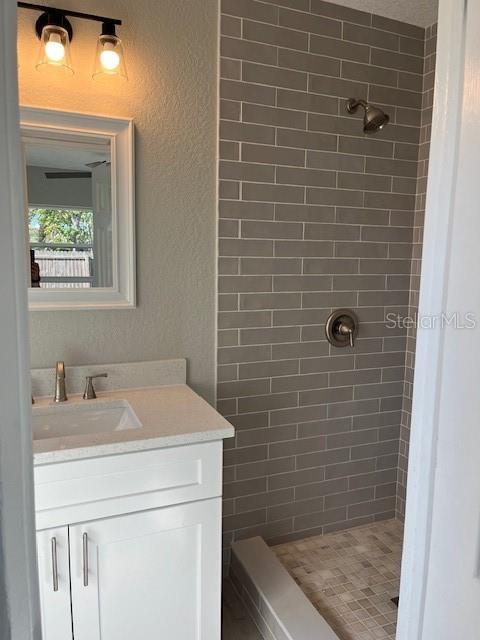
(53, 17)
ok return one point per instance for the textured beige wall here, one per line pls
(171, 53)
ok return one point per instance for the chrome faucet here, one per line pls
(60, 393)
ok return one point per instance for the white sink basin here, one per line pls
(81, 419)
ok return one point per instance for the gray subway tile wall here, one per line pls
(314, 215)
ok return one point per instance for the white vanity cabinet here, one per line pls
(151, 567)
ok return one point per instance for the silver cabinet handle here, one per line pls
(54, 564)
(85, 560)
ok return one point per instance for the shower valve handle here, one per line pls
(345, 329)
(342, 328)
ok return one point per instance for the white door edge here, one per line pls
(433, 292)
(19, 601)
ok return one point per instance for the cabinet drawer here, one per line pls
(80, 490)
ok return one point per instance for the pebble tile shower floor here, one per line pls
(350, 577)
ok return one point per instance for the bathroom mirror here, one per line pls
(79, 217)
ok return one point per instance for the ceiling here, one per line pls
(420, 12)
(64, 156)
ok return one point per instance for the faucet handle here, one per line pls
(89, 393)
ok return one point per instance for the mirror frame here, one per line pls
(120, 134)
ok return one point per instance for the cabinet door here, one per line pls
(149, 575)
(54, 581)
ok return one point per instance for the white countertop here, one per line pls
(170, 416)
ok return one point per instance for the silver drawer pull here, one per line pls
(85, 560)
(54, 564)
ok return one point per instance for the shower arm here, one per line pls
(353, 104)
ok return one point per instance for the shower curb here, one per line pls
(272, 597)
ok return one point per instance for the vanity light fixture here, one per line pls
(55, 33)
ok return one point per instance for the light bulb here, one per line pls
(54, 49)
(109, 58)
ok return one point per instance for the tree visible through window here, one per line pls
(62, 241)
(60, 226)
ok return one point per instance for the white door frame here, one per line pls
(19, 609)
(429, 370)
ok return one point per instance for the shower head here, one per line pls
(374, 118)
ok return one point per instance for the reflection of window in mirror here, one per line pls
(69, 212)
